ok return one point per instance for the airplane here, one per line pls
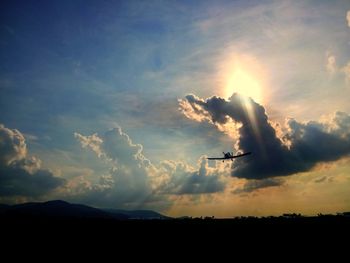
(229, 156)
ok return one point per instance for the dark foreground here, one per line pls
(176, 238)
(60, 225)
(176, 227)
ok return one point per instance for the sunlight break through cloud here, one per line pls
(308, 143)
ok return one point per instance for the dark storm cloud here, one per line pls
(309, 143)
(21, 175)
(18, 181)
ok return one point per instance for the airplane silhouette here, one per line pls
(229, 156)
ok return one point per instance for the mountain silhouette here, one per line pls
(62, 209)
(56, 208)
(137, 214)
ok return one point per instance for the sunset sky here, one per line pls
(119, 103)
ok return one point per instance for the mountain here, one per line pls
(56, 209)
(137, 214)
(63, 210)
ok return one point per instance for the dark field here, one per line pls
(59, 220)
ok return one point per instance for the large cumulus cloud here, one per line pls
(133, 181)
(21, 175)
(183, 179)
(300, 149)
(126, 184)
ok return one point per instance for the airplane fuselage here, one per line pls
(228, 156)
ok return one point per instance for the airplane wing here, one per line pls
(228, 158)
(240, 155)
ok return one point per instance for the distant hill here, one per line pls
(61, 209)
(137, 214)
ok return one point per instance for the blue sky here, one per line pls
(86, 67)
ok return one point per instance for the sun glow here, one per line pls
(243, 74)
(244, 84)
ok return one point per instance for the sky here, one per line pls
(118, 104)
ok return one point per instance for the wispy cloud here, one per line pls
(346, 70)
(331, 64)
(254, 185)
(333, 69)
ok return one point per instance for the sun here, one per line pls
(244, 84)
(244, 74)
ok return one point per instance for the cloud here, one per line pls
(182, 179)
(21, 175)
(126, 183)
(120, 148)
(333, 69)
(253, 185)
(93, 142)
(12, 147)
(348, 17)
(321, 180)
(133, 181)
(300, 149)
(331, 64)
(346, 71)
